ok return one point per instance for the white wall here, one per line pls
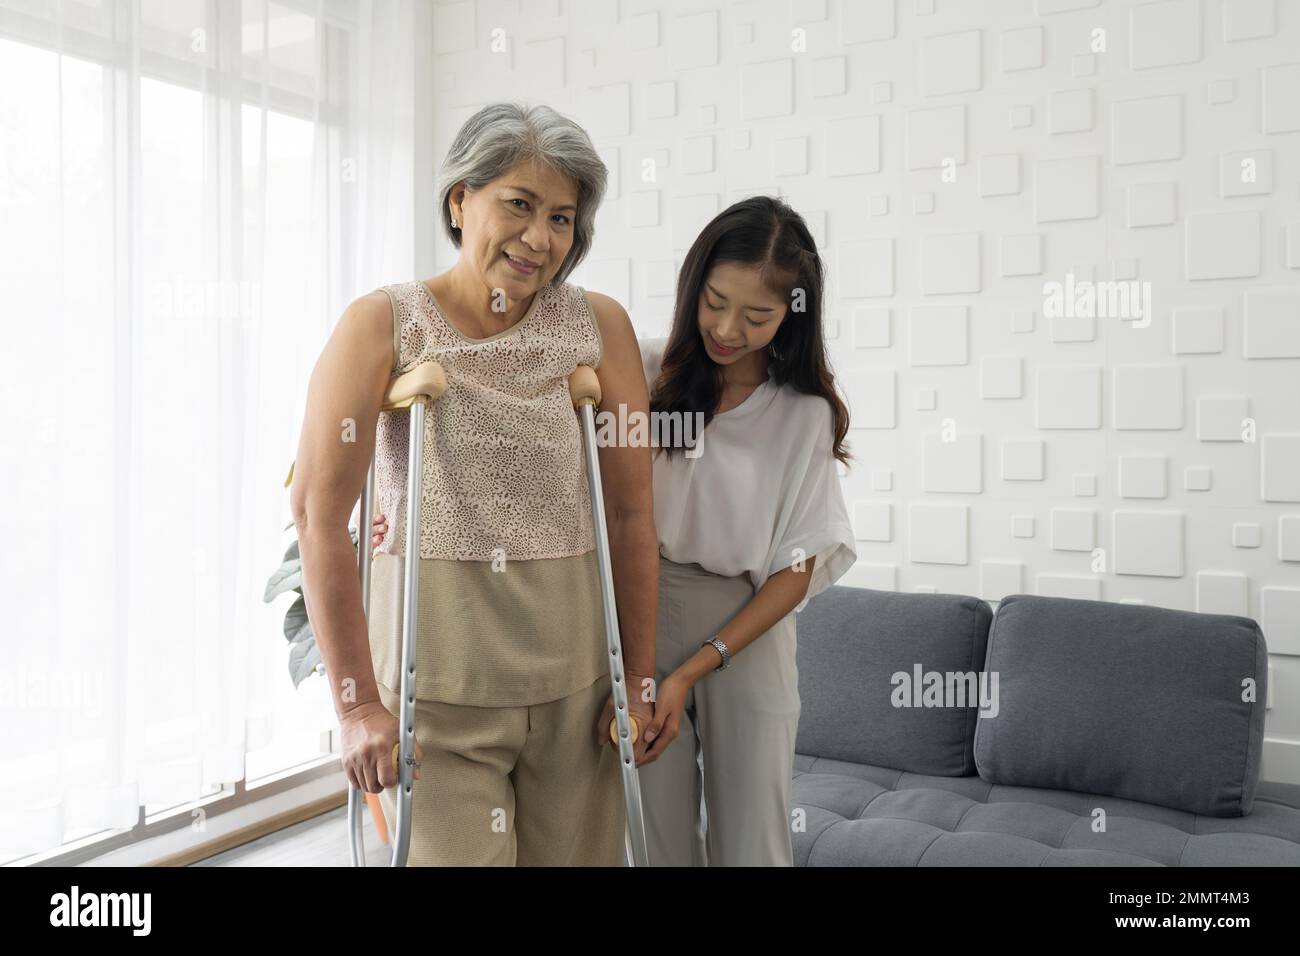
(952, 157)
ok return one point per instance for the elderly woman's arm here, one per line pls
(625, 474)
(338, 440)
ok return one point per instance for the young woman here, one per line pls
(750, 527)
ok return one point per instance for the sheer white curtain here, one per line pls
(191, 191)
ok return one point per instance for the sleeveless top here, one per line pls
(510, 608)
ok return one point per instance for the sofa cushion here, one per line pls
(848, 814)
(851, 643)
(1138, 702)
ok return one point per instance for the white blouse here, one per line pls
(763, 484)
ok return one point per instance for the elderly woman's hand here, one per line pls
(380, 531)
(369, 732)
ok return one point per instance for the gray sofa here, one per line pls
(1110, 735)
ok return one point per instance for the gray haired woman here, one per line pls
(513, 696)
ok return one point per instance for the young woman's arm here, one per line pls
(779, 595)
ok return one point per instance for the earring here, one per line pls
(454, 223)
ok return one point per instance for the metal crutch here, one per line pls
(584, 389)
(414, 390)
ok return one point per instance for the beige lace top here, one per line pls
(503, 469)
(504, 473)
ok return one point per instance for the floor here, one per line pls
(320, 841)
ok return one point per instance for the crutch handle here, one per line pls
(613, 728)
(584, 386)
(424, 383)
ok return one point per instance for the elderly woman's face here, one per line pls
(518, 228)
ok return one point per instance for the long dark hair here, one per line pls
(765, 232)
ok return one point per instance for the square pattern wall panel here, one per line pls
(1279, 471)
(1000, 578)
(999, 174)
(1279, 617)
(1143, 476)
(1221, 417)
(936, 136)
(1164, 33)
(1246, 173)
(767, 89)
(872, 397)
(694, 40)
(1272, 324)
(1067, 188)
(936, 335)
(1022, 459)
(950, 263)
(1146, 130)
(865, 21)
(852, 145)
(1068, 397)
(952, 463)
(1281, 97)
(1069, 111)
(1249, 20)
(866, 268)
(1152, 204)
(1223, 592)
(1148, 396)
(1074, 529)
(1021, 49)
(1222, 245)
(938, 533)
(950, 63)
(1148, 543)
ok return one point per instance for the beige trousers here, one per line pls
(507, 786)
(739, 724)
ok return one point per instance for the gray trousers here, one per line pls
(736, 743)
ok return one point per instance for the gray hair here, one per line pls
(501, 135)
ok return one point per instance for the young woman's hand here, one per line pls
(642, 710)
(379, 531)
(670, 701)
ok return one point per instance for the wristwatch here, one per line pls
(722, 649)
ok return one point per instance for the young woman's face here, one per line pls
(738, 314)
(518, 228)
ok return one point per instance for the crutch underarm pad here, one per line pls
(425, 381)
(583, 383)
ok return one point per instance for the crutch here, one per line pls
(414, 390)
(584, 389)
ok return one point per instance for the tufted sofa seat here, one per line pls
(859, 815)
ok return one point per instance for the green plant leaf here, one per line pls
(292, 553)
(296, 626)
(287, 577)
(304, 658)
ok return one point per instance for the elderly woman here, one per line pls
(513, 691)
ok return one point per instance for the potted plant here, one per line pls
(304, 655)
